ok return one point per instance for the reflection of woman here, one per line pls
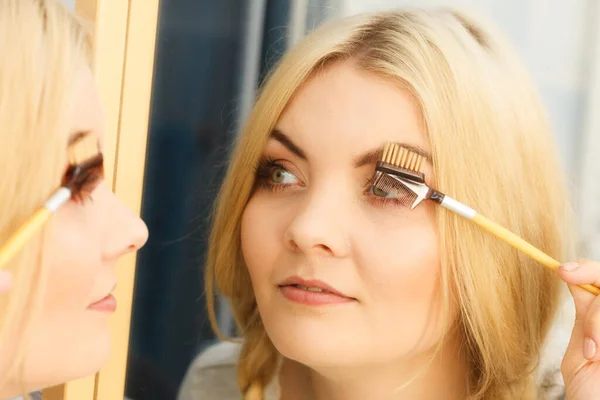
(53, 320)
(418, 304)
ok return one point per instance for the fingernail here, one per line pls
(589, 349)
(570, 266)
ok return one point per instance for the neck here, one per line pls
(427, 376)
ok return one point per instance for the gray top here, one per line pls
(212, 375)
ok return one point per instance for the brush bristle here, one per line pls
(401, 157)
(392, 186)
(83, 149)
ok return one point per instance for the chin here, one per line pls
(311, 345)
(97, 349)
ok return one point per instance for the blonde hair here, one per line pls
(491, 148)
(42, 48)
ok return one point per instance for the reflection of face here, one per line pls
(313, 216)
(84, 242)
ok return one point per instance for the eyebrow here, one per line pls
(77, 137)
(373, 156)
(368, 158)
(287, 142)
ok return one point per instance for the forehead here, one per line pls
(87, 112)
(348, 111)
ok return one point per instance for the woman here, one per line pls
(409, 304)
(54, 318)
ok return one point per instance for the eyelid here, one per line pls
(292, 169)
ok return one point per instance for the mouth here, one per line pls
(312, 292)
(107, 304)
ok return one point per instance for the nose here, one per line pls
(319, 229)
(126, 232)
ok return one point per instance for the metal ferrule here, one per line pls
(60, 197)
(400, 172)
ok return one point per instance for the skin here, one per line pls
(320, 221)
(6, 281)
(84, 242)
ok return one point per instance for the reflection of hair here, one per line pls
(42, 47)
(491, 148)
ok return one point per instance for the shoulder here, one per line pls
(213, 374)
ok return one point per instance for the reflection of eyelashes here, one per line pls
(83, 178)
(86, 165)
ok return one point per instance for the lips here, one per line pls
(106, 304)
(312, 285)
(312, 292)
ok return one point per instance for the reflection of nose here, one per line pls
(127, 232)
(318, 229)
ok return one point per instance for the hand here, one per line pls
(581, 364)
(5, 281)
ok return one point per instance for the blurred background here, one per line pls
(211, 57)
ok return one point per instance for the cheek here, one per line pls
(262, 232)
(406, 259)
(65, 329)
(73, 259)
(399, 251)
(400, 268)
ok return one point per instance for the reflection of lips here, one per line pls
(107, 304)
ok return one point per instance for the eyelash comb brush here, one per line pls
(399, 173)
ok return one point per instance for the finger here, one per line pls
(591, 331)
(574, 358)
(6, 281)
(580, 273)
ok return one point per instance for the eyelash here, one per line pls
(267, 165)
(83, 193)
(382, 201)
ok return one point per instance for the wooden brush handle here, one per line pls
(526, 247)
(23, 235)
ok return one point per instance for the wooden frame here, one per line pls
(124, 45)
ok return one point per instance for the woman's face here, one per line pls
(71, 337)
(313, 221)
